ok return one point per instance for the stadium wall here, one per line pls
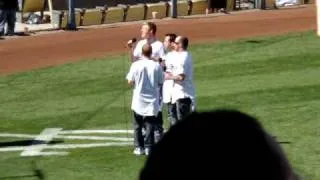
(63, 4)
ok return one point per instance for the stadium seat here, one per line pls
(183, 8)
(136, 12)
(231, 4)
(64, 20)
(30, 6)
(159, 8)
(199, 7)
(114, 15)
(92, 17)
(33, 5)
(270, 4)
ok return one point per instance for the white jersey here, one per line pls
(185, 88)
(157, 49)
(147, 76)
(168, 84)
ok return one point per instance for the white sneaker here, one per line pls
(147, 151)
(138, 151)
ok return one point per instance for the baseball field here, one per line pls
(68, 89)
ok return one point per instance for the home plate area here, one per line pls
(56, 141)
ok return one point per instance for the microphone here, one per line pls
(132, 41)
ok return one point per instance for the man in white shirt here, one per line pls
(183, 91)
(169, 60)
(148, 35)
(146, 76)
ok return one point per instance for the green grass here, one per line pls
(275, 79)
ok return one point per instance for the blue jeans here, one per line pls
(7, 16)
(146, 122)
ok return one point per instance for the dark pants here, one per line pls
(159, 121)
(180, 110)
(172, 114)
(158, 129)
(146, 122)
(7, 16)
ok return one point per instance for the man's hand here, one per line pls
(163, 65)
(131, 83)
(168, 76)
(131, 43)
(177, 78)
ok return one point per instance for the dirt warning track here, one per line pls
(31, 52)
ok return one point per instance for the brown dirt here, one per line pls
(26, 53)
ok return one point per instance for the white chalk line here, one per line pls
(70, 137)
(95, 138)
(46, 135)
(18, 135)
(96, 131)
(51, 154)
(68, 146)
(70, 132)
(54, 133)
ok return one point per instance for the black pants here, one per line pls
(180, 110)
(7, 16)
(146, 122)
(172, 114)
(158, 129)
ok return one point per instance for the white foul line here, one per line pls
(71, 137)
(52, 153)
(67, 146)
(71, 132)
(49, 134)
(16, 148)
(96, 131)
(73, 146)
(95, 138)
(46, 135)
(18, 135)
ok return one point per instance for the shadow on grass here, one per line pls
(26, 143)
(281, 142)
(255, 41)
(36, 174)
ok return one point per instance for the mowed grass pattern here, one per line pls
(275, 79)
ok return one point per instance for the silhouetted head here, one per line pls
(222, 144)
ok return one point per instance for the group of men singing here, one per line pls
(160, 73)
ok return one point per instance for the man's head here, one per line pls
(148, 30)
(181, 43)
(169, 40)
(147, 50)
(221, 144)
